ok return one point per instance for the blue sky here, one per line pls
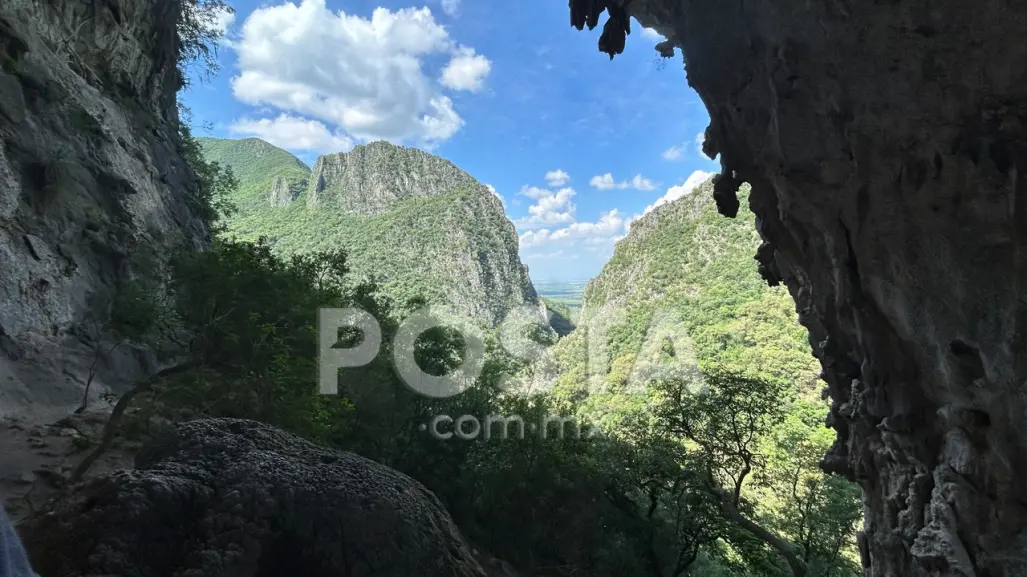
(576, 145)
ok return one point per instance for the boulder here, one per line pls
(237, 498)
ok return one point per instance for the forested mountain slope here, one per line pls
(417, 223)
(685, 269)
(682, 345)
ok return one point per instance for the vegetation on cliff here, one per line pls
(414, 223)
(684, 350)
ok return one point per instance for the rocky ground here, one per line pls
(36, 458)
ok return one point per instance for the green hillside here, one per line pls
(687, 269)
(257, 165)
(681, 300)
(414, 222)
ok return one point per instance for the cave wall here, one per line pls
(91, 177)
(885, 144)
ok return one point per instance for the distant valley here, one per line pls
(563, 300)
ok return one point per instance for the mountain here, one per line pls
(682, 280)
(268, 176)
(416, 222)
(372, 178)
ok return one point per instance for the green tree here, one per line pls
(726, 419)
(198, 36)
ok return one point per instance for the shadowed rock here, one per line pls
(886, 147)
(236, 498)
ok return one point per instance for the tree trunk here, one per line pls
(782, 546)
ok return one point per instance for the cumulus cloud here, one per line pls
(607, 182)
(674, 153)
(365, 76)
(603, 182)
(549, 209)
(534, 192)
(675, 192)
(293, 133)
(557, 177)
(466, 71)
(598, 236)
(699, 140)
(223, 20)
(641, 183)
(451, 7)
(651, 34)
(552, 228)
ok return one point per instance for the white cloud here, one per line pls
(365, 76)
(675, 192)
(603, 182)
(533, 238)
(223, 20)
(553, 208)
(293, 133)
(466, 70)
(674, 153)
(642, 183)
(609, 224)
(593, 236)
(534, 192)
(451, 7)
(699, 140)
(607, 182)
(651, 34)
(555, 254)
(557, 177)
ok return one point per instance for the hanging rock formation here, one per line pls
(237, 498)
(886, 146)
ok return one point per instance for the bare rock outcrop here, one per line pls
(236, 498)
(91, 175)
(373, 177)
(886, 146)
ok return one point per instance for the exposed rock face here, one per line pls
(372, 177)
(236, 498)
(280, 193)
(90, 175)
(886, 147)
(416, 222)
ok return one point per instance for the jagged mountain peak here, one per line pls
(373, 177)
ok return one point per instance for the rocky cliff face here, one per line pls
(416, 222)
(280, 194)
(885, 146)
(373, 177)
(90, 176)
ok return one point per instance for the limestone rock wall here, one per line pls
(372, 177)
(90, 176)
(885, 144)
